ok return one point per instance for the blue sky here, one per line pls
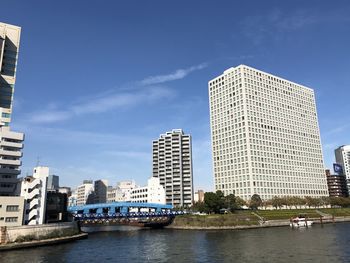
(97, 81)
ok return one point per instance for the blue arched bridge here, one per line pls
(124, 213)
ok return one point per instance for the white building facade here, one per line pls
(11, 143)
(34, 190)
(172, 164)
(122, 191)
(152, 193)
(85, 193)
(342, 157)
(265, 136)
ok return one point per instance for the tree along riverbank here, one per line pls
(245, 219)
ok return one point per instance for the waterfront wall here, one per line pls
(37, 232)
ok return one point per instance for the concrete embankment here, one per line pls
(266, 224)
(39, 235)
(46, 242)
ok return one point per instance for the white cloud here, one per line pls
(121, 98)
(102, 103)
(178, 74)
(48, 116)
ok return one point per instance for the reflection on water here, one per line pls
(317, 244)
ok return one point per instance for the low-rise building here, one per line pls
(11, 210)
(34, 190)
(152, 193)
(122, 191)
(56, 207)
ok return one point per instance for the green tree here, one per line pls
(214, 201)
(240, 202)
(200, 207)
(277, 202)
(230, 202)
(255, 201)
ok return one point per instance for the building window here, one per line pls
(12, 208)
(11, 219)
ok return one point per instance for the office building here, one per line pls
(34, 191)
(122, 191)
(9, 46)
(336, 184)
(342, 157)
(56, 207)
(172, 164)
(53, 182)
(100, 191)
(11, 143)
(85, 193)
(265, 136)
(152, 193)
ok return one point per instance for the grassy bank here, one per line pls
(240, 218)
(247, 218)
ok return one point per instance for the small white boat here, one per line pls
(300, 221)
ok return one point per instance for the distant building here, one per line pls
(65, 190)
(199, 196)
(265, 136)
(152, 193)
(72, 199)
(85, 193)
(172, 164)
(53, 182)
(342, 157)
(100, 191)
(336, 185)
(34, 190)
(122, 191)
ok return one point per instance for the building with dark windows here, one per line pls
(56, 207)
(336, 185)
(100, 190)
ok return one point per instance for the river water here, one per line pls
(328, 243)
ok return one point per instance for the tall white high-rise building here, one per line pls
(342, 157)
(11, 143)
(265, 136)
(172, 164)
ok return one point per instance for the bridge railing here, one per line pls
(88, 216)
